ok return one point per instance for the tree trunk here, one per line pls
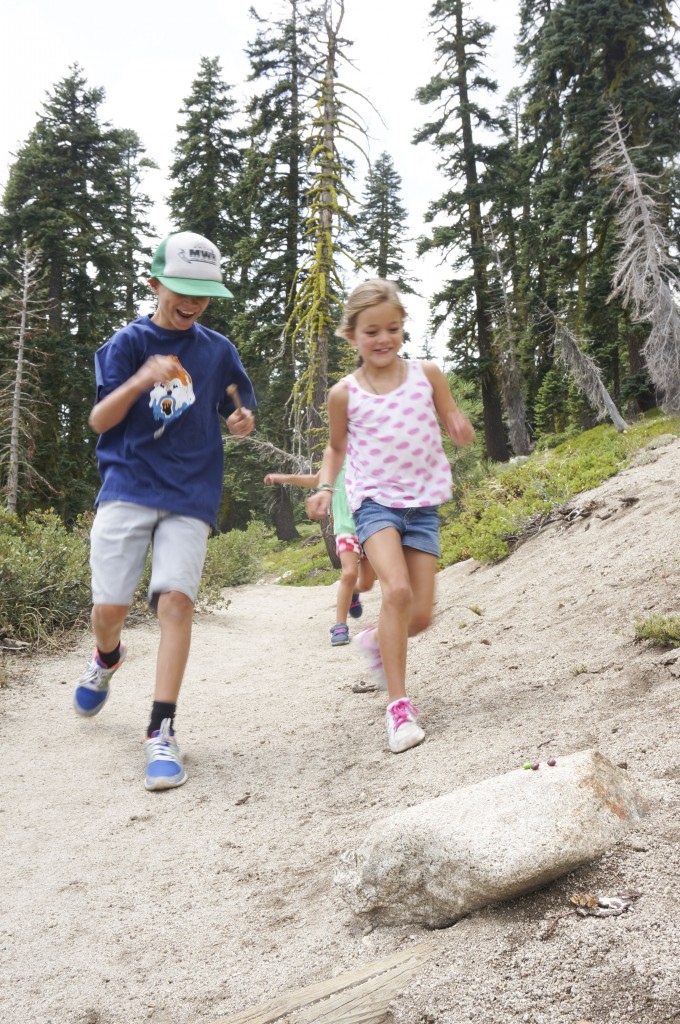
(329, 541)
(494, 433)
(282, 515)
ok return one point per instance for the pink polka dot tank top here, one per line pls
(394, 445)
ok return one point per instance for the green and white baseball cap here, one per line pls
(189, 264)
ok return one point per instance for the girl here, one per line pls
(383, 421)
(357, 576)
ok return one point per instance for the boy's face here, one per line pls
(176, 312)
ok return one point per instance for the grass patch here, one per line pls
(485, 519)
(299, 563)
(659, 630)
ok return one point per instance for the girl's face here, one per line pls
(378, 334)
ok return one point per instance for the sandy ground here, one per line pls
(121, 906)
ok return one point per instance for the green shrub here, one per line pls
(45, 575)
(232, 559)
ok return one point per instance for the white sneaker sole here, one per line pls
(408, 735)
(163, 782)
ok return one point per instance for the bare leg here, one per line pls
(422, 569)
(175, 616)
(407, 579)
(389, 563)
(348, 584)
(107, 623)
(366, 576)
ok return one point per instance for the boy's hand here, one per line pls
(157, 369)
(319, 505)
(241, 422)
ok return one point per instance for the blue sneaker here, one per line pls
(355, 609)
(92, 689)
(339, 634)
(164, 768)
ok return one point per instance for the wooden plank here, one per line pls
(393, 970)
(367, 1003)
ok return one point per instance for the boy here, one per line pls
(161, 385)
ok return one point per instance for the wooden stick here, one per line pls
(232, 391)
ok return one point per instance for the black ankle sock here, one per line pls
(111, 658)
(159, 711)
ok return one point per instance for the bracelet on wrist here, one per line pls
(323, 487)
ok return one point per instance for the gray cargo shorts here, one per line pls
(121, 536)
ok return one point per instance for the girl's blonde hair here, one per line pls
(368, 293)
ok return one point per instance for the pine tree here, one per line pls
(381, 224)
(64, 196)
(130, 261)
(272, 196)
(461, 49)
(207, 163)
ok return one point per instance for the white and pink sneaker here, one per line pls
(367, 641)
(403, 732)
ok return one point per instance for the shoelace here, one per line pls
(95, 677)
(163, 746)
(403, 711)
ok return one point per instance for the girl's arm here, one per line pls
(456, 424)
(318, 504)
(297, 479)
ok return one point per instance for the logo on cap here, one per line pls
(198, 256)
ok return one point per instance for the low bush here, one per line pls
(233, 559)
(45, 575)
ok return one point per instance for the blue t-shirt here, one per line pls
(168, 453)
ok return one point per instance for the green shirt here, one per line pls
(343, 521)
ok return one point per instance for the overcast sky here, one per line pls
(146, 56)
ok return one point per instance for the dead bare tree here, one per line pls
(585, 373)
(643, 277)
(22, 306)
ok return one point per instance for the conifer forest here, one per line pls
(558, 230)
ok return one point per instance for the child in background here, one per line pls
(161, 389)
(384, 427)
(357, 576)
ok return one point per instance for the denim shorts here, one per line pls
(121, 536)
(417, 527)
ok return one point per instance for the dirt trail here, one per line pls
(120, 906)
